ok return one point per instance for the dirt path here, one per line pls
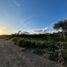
(11, 56)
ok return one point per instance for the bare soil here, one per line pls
(12, 56)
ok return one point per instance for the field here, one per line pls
(50, 46)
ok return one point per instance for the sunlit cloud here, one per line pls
(6, 30)
(3, 30)
(40, 31)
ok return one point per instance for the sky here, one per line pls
(26, 15)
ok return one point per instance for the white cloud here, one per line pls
(40, 31)
(17, 3)
(24, 23)
(26, 20)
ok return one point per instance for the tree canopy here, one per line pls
(61, 24)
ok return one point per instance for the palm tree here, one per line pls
(61, 25)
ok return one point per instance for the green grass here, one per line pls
(44, 45)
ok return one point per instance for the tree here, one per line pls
(61, 25)
(19, 32)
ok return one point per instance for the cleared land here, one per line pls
(12, 56)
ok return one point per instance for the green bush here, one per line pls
(51, 43)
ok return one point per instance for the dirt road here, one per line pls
(12, 56)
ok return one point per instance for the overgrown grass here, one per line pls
(50, 46)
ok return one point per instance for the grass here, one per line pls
(45, 45)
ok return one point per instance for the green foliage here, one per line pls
(46, 45)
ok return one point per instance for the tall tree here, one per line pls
(61, 25)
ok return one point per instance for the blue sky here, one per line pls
(30, 14)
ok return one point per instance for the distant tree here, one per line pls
(61, 25)
(19, 32)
